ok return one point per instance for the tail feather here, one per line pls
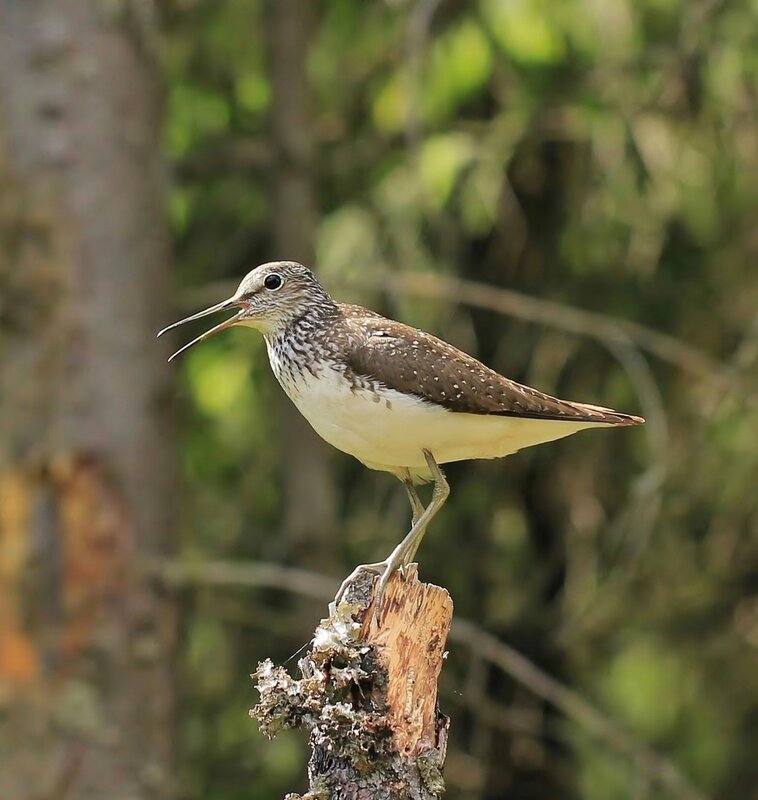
(608, 415)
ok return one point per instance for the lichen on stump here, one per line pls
(368, 695)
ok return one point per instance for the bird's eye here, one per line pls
(272, 281)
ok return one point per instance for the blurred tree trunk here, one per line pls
(309, 500)
(85, 458)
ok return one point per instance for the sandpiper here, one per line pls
(398, 399)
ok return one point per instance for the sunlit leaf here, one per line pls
(525, 29)
(440, 162)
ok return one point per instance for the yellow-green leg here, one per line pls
(404, 553)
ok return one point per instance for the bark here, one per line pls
(368, 695)
(309, 498)
(85, 456)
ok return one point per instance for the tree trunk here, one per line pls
(309, 502)
(85, 458)
(368, 695)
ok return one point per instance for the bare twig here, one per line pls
(641, 513)
(552, 314)
(573, 705)
(743, 359)
(252, 575)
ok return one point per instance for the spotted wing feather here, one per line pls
(414, 362)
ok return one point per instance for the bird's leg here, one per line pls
(406, 550)
(417, 507)
(403, 554)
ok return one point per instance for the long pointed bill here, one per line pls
(223, 306)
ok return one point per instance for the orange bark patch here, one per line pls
(94, 524)
(19, 659)
(62, 572)
(411, 635)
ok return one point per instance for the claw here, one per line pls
(394, 563)
(376, 568)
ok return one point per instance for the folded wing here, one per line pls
(414, 362)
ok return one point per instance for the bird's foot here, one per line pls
(397, 561)
(377, 568)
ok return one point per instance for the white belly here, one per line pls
(387, 430)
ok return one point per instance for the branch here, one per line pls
(552, 314)
(368, 694)
(574, 706)
(253, 575)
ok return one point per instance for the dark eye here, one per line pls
(272, 281)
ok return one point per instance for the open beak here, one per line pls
(223, 306)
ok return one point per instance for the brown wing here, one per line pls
(414, 362)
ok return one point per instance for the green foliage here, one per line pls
(599, 153)
(527, 30)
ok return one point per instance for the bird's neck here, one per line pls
(305, 322)
(304, 341)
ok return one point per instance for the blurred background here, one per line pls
(566, 190)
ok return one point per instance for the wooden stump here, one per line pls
(368, 694)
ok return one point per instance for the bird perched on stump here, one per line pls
(398, 399)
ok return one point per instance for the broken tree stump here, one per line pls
(368, 694)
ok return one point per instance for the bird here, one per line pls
(398, 399)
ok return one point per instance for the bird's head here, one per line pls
(268, 299)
